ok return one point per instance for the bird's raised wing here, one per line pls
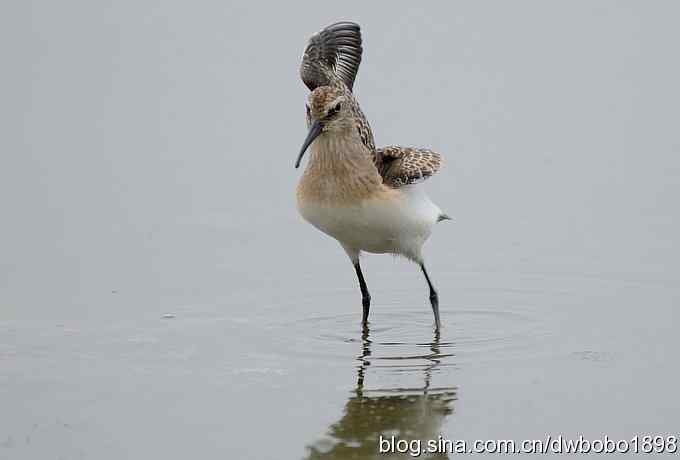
(332, 55)
(406, 165)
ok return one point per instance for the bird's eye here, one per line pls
(334, 110)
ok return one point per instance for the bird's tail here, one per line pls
(443, 216)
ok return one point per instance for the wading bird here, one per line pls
(364, 197)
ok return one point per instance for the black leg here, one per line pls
(434, 298)
(365, 296)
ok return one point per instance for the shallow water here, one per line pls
(161, 298)
(586, 356)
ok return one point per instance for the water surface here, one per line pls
(160, 297)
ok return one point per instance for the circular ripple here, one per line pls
(402, 337)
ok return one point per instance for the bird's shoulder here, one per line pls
(363, 127)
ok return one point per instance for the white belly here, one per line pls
(398, 223)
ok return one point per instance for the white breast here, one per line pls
(398, 222)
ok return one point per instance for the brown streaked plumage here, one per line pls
(340, 172)
(362, 196)
(329, 66)
(406, 165)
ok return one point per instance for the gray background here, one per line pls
(147, 160)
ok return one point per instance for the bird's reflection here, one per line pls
(415, 414)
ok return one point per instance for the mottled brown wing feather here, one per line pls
(332, 55)
(406, 165)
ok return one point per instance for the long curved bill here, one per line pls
(314, 132)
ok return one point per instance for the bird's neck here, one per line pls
(340, 168)
(340, 152)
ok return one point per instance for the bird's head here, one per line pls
(327, 111)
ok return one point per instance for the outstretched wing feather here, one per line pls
(332, 55)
